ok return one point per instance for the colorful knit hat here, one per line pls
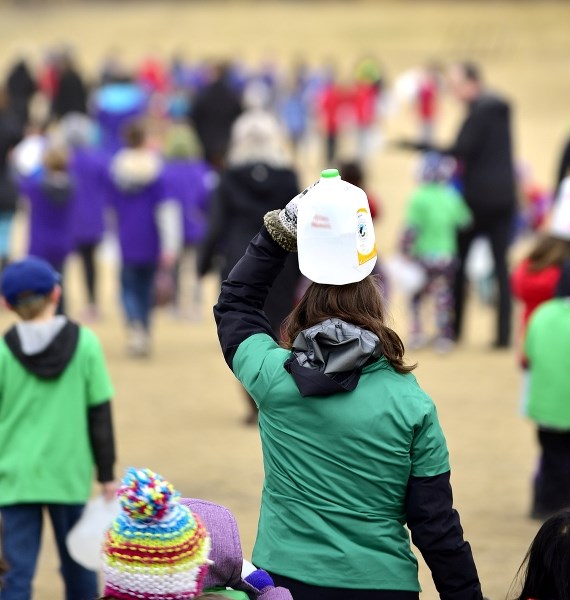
(156, 549)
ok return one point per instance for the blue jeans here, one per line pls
(136, 293)
(22, 528)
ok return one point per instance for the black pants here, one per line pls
(552, 481)
(499, 232)
(87, 254)
(304, 591)
(331, 147)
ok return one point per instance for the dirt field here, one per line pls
(179, 413)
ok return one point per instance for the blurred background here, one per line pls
(343, 80)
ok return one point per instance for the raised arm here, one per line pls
(239, 311)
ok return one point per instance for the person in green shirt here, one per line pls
(547, 347)
(435, 213)
(55, 428)
(352, 446)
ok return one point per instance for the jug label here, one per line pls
(365, 238)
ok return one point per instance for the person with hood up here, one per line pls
(50, 191)
(149, 229)
(352, 447)
(258, 178)
(55, 428)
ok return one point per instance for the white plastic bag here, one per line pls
(479, 263)
(85, 540)
(406, 275)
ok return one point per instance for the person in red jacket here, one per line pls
(535, 279)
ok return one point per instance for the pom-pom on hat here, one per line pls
(156, 549)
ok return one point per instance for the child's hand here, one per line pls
(109, 490)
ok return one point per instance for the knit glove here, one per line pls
(282, 224)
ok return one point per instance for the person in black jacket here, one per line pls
(258, 178)
(71, 93)
(483, 149)
(213, 113)
(21, 86)
(10, 135)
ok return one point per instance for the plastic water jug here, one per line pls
(335, 233)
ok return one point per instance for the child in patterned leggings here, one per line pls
(435, 212)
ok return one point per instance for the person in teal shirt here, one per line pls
(547, 346)
(352, 446)
(435, 213)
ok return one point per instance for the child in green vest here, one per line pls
(547, 347)
(55, 427)
(435, 213)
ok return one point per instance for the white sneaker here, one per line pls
(138, 345)
(443, 345)
(417, 341)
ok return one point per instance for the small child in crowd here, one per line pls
(435, 213)
(149, 229)
(545, 571)
(50, 192)
(535, 279)
(55, 427)
(547, 348)
(162, 546)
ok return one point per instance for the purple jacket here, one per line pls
(135, 193)
(226, 554)
(89, 167)
(51, 216)
(187, 182)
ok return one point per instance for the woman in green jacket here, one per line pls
(352, 447)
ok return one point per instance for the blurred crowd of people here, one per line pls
(181, 162)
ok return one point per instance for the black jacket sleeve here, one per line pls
(563, 167)
(239, 311)
(102, 440)
(437, 533)
(217, 224)
(468, 143)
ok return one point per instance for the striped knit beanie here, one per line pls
(156, 549)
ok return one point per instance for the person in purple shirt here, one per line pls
(88, 166)
(51, 195)
(189, 180)
(148, 226)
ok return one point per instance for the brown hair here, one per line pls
(549, 251)
(32, 309)
(360, 304)
(134, 134)
(55, 160)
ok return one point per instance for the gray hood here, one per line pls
(328, 358)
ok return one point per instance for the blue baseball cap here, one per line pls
(28, 279)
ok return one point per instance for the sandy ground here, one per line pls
(180, 412)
